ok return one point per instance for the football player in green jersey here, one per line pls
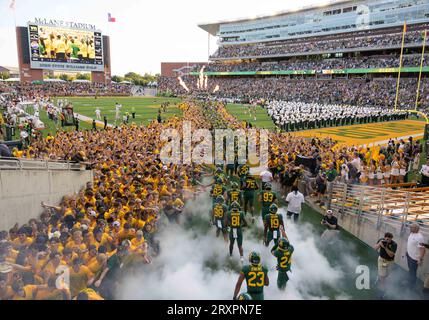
(249, 186)
(218, 189)
(256, 277)
(236, 222)
(267, 198)
(220, 174)
(220, 211)
(273, 225)
(283, 252)
(231, 168)
(243, 171)
(235, 194)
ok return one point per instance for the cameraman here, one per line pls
(387, 249)
(331, 224)
(426, 282)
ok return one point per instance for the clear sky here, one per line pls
(146, 32)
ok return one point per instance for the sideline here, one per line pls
(89, 120)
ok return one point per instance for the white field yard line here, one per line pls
(89, 120)
(385, 142)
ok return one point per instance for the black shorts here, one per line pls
(295, 215)
(321, 188)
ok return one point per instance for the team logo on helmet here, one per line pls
(273, 208)
(283, 243)
(220, 199)
(245, 296)
(254, 258)
(268, 186)
(235, 205)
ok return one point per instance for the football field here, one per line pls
(240, 111)
(362, 134)
(146, 108)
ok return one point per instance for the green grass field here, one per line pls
(146, 108)
(263, 120)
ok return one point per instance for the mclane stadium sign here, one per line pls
(64, 24)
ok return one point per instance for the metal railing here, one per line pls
(398, 208)
(37, 164)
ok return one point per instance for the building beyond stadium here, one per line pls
(53, 45)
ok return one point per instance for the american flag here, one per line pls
(12, 5)
(110, 18)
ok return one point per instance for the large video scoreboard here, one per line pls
(65, 46)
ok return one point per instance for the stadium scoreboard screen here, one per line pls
(65, 46)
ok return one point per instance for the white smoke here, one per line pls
(194, 264)
(206, 80)
(183, 84)
(201, 78)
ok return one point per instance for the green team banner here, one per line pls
(330, 71)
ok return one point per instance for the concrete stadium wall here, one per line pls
(366, 230)
(22, 191)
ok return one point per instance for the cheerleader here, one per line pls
(364, 175)
(379, 174)
(402, 170)
(395, 171)
(344, 173)
(386, 173)
(371, 173)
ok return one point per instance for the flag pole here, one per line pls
(14, 16)
(108, 22)
(421, 68)
(12, 6)
(400, 65)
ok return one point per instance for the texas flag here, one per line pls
(110, 18)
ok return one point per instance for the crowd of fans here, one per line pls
(332, 161)
(357, 92)
(60, 89)
(314, 164)
(366, 62)
(107, 229)
(294, 116)
(370, 39)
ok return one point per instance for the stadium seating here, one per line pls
(375, 39)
